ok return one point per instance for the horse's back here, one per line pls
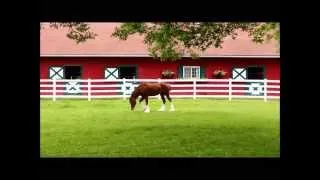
(154, 88)
(165, 86)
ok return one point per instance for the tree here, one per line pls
(169, 41)
(265, 32)
(80, 32)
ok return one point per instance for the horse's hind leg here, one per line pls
(171, 103)
(163, 107)
(147, 110)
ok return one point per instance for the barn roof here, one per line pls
(55, 43)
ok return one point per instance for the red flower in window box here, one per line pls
(167, 74)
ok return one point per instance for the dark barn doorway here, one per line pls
(72, 72)
(256, 73)
(128, 72)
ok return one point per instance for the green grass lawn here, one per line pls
(198, 128)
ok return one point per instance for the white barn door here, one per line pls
(111, 73)
(254, 89)
(239, 73)
(56, 72)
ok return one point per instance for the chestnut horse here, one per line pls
(151, 89)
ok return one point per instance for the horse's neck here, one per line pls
(135, 94)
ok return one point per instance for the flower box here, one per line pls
(167, 74)
(219, 74)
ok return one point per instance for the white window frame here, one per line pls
(183, 72)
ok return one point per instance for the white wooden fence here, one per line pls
(181, 88)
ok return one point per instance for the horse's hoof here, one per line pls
(171, 110)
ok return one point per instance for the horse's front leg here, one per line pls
(147, 110)
(143, 105)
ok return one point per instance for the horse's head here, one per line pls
(133, 102)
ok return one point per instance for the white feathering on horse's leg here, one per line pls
(163, 107)
(147, 110)
(172, 107)
(143, 106)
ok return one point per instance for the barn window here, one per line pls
(190, 72)
(128, 72)
(255, 72)
(72, 72)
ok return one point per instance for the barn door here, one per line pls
(73, 87)
(56, 72)
(256, 72)
(128, 72)
(255, 88)
(73, 72)
(111, 73)
(127, 88)
(239, 73)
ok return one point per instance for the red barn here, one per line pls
(108, 58)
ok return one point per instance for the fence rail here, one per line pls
(181, 88)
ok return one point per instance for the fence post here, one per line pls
(54, 90)
(194, 89)
(89, 89)
(265, 90)
(230, 89)
(159, 81)
(123, 88)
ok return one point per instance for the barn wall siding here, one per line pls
(149, 68)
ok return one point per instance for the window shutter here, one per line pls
(202, 72)
(180, 72)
